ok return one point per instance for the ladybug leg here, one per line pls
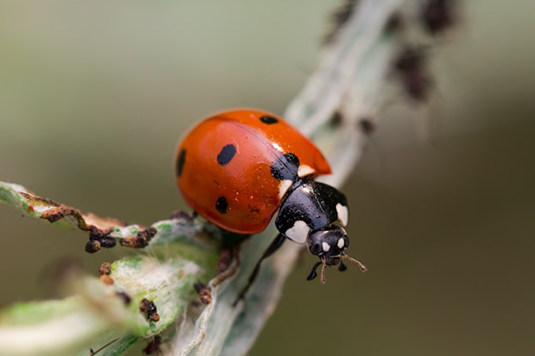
(227, 256)
(342, 267)
(228, 265)
(313, 274)
(274, 246)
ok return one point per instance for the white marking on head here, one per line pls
(299, 232)
(326, 247)
(341, 243)
(342, 213)
(304, 170)
(283, 187)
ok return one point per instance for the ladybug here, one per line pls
(238, 168)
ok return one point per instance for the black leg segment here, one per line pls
(342, 267)
(274, 246)
(313, 274)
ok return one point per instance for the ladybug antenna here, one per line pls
(362, 267)
(323, 271)
(313, 274)
(323, 262)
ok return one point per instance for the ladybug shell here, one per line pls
(224, 167)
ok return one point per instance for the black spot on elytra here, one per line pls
(221, 205)
(226, 154)
(269, 120)
(180, 162)
(285, 167)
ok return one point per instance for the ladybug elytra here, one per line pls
(238, 167)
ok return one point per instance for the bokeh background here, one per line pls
(94, 96)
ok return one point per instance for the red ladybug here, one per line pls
(238, 167)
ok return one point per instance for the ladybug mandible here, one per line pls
(238, 167)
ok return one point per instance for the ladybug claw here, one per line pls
(342, 267)
(313, 274)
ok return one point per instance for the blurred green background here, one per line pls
(94, 96)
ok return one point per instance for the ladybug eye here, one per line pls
(315, 248)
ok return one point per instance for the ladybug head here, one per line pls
(329, 244)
